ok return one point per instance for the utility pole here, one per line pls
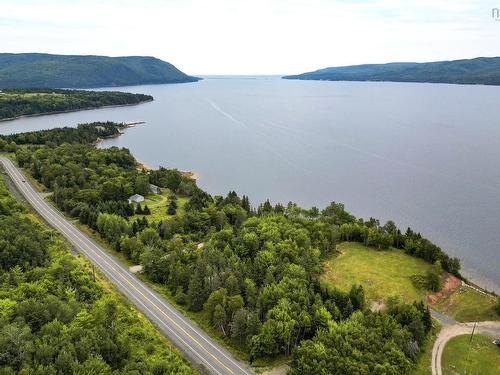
(470, 344)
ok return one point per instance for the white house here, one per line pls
(137, 198)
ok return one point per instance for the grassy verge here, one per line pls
(382, 273)
(10, 155)
(483, 357)
(39, 186)
(423, 366)
(468, 305)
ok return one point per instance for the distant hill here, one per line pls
(481, 70)
(39, 70)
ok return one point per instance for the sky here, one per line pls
(256, 36)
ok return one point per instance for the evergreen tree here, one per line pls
(172, 208)
(196, 293)
(245, 203)
(138, 210)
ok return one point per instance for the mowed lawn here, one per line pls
(158, 204)
(484, 357)
(468, 305)
(382, 273)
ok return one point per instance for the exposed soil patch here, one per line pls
(450, 284)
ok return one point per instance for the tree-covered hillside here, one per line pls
(28, 70)
(57, 317)
(481, 70)
(26, 102)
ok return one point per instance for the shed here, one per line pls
(137, 198)
(154, 189)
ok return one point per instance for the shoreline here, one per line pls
(73, 110)
(143, 166)
(125, 125)
(140, 164)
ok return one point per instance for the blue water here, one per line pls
(425, 155)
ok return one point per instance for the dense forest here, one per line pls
(56, 318)
(252, 271)
(42, 70)
(25, 102)
(481, 70)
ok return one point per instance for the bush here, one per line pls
(180, 296)
(433, 280)
(433, 277)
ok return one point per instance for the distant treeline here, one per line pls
(25, 102)
(253, 271)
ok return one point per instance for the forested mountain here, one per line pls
(39, 70)
(26, 102)
(56, 317)
(481, 70)
(251, 273)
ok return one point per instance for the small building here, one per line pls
(136, 198)
(154, 189)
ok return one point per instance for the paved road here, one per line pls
(444, 320)
(487, 328)
(198, 347)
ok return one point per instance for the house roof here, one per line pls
(135, 196)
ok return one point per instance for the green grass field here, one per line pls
(381, 273)
(484, 357)
(468, 305)
(158, 205)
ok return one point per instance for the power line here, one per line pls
(470, 345)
